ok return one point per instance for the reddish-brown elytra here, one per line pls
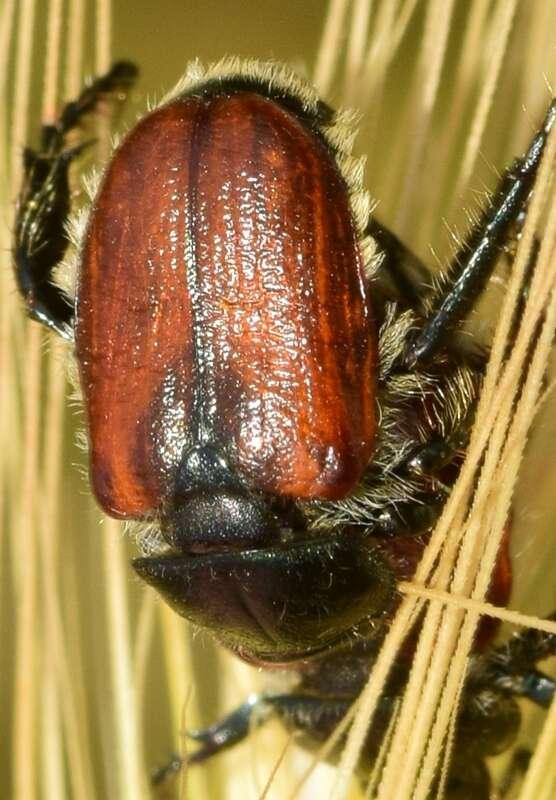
(221, 299)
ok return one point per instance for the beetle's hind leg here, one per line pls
(44, 202)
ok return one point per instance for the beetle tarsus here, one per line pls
(225, 733)
(162, 774)
(230, 730)
(120, 77)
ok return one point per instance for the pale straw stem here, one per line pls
(329, 49)
(429, 70)
(498, 41)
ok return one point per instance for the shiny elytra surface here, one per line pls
(221, 298)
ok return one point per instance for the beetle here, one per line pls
(271, 383)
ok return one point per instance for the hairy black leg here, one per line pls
(511, 668)
(44, 202)
(317, 715)
(402, 276)
(477, 257)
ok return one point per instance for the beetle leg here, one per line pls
(474, 262)
(316, 715)
(225, 733)
(402, 276)
(511, 668)
(119, 78)
(230, 730)
(40, 239)
(44, 203)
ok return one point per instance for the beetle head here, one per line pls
(242, 565)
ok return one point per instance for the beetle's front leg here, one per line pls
(40, 238)
(474, 262)
(44, 203)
